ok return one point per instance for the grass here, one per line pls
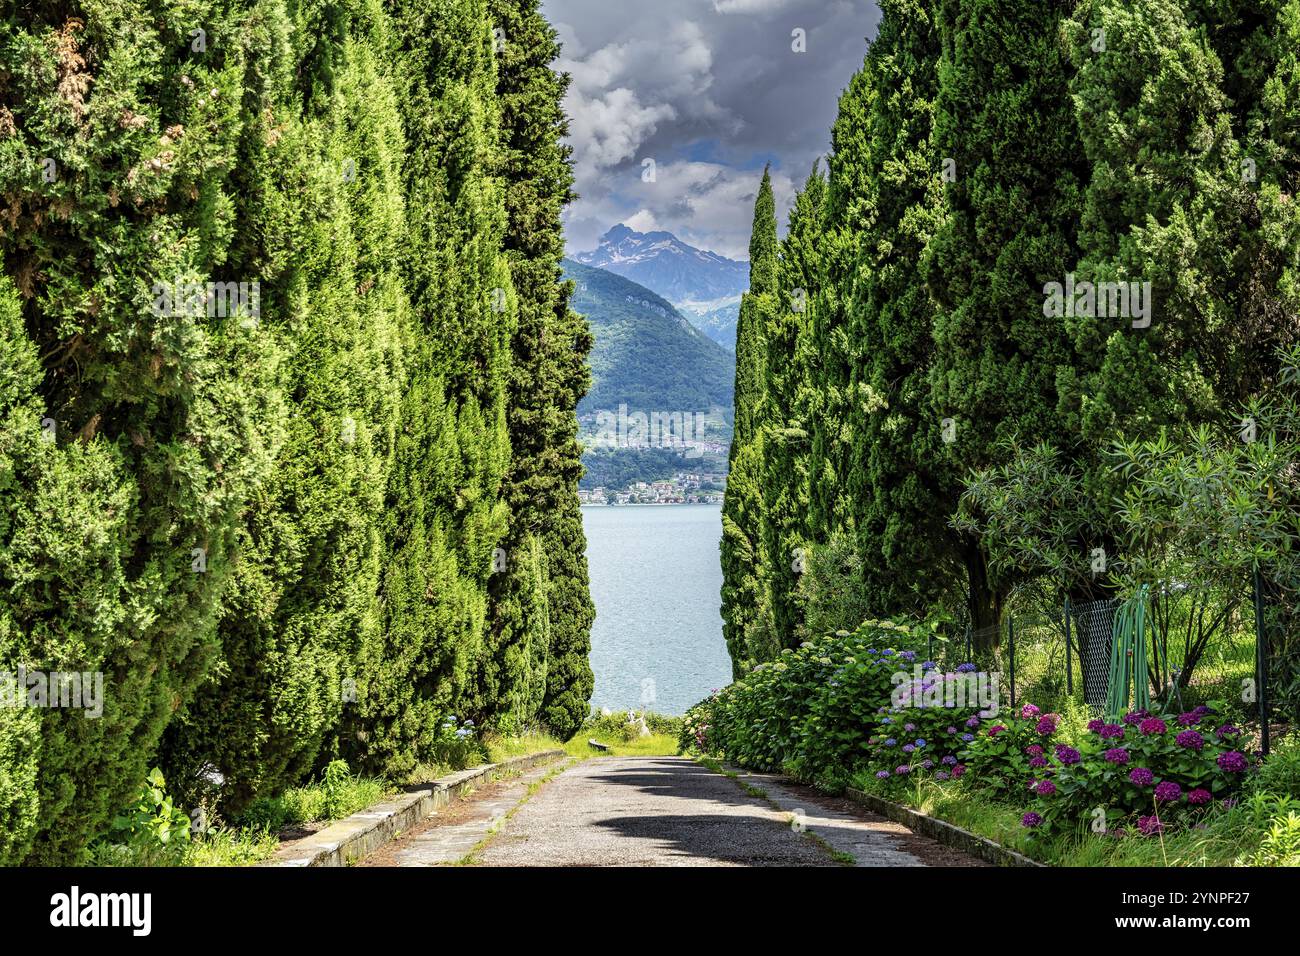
(1262, 830)
(251, 837)
(619, 731)
(315, 803)
(656, 745)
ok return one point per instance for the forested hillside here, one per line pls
(646, 354)
(1028, 332)
(288, 390)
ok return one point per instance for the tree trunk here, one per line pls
(984, 603)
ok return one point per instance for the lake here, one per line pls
(655, 578)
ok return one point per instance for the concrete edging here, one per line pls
(948, 834)
(347, 840)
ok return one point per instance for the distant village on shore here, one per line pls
(683, 488)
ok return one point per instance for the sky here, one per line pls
(710, 90)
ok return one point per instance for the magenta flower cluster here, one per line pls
(1232, 761)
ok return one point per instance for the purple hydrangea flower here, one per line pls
(1150, 826)
(1029, 710)
(1047, 725)
(890, 742)
(949, 760)
(1227, 730)
(941, 775)
(973, 722)
(1141, 776)
(1096, 724)
(1034, 750)
(1190, 739)
(1038, 762)
(952, 730)
(908, 748)
(1135, 717)
(909, 727)
(908, 656)
(1198, 796)
(1031, 819)
(968, 737)
(1189, 718)
(928, 665)
(1067, 755)
(958, 770)
(1045, 788)
(1111, 731)
(1232, 761)
(904, 769)
(882, 774)
(965, 668)
(927, 764)
(1167, 790)
(1152, 725)
(1116, 755)
(995, 730)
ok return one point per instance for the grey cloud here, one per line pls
(657, 79)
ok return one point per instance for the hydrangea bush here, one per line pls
(812, 711)
(1157, 768)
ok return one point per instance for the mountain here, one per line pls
(703, 285)
(646, 355)
(648, 358)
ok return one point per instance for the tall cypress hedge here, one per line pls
(274, 530)
(986, 150)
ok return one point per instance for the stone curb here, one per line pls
(348, 840)
(946, 833)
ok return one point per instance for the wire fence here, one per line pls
(1198, 647)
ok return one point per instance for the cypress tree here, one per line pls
(897, 469)
(305, 596)
(541, 612)
(1003, 116)
(444, 514)
(742, 509)
(119, 133)
(784, 538)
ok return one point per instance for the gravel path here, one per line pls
(671, 811)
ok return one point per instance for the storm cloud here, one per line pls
(710, 91)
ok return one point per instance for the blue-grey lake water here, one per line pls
(655, 578)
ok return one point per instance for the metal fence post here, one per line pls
(1261, 662)
(1011, 649)
(1069, 677)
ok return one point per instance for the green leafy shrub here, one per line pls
(1280, 773)
(813, 709)
(151, 832)
(1160, 768)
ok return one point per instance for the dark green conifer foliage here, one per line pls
(742, 512)
(304, 601)
(783, 535)
(444, 514)
(118, 530)
(897, 467)
(1003, 115)
(541, 612)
